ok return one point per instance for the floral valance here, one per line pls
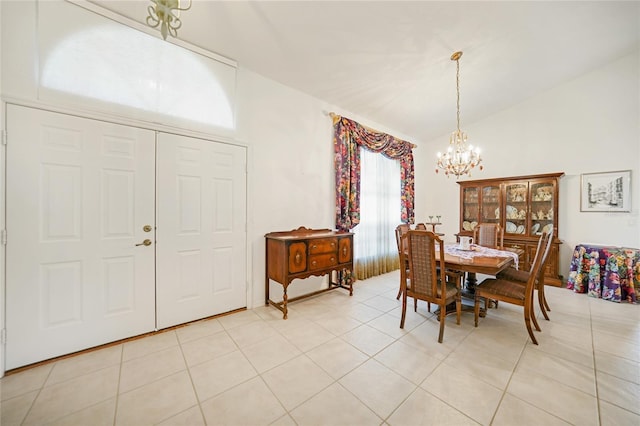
(348, 136)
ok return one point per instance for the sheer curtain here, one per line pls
(375, 247)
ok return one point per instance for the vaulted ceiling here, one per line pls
(389, 61)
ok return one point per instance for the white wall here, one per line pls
(587, 125)
(2, 219)
(291, 175)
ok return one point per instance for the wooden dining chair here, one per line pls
(401, 231)
(489, 235)
(514, 292)
(421, 226)
(521, 277)
(426, 281)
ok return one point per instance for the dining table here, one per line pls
(478, 260)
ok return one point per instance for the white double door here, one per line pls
(82, 197)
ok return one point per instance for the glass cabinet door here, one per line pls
(542, 207)
(515, 214)
(490, 204)
(470, 208)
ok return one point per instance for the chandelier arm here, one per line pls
(184, 8)
(153, 17)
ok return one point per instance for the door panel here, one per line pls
(79, 192)
(201, 217)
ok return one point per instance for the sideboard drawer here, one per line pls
(321, 261)
(323, 245)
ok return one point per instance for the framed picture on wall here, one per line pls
(605, 192)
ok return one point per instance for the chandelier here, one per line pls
(459, 158)
(166, 14)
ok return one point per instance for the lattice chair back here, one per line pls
(425, 276)
(488, 235)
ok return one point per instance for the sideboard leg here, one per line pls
(284, 302)
(350, 282)
(266, 291)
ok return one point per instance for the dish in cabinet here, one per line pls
(511, 227)
(512, 212)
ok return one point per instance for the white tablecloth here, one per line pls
(476, 250)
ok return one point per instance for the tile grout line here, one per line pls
(193, 386)
(115, 408)
(513, 372)
(33, 403)
(595, 371)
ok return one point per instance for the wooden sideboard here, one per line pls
(304, 252)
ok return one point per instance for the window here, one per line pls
(86, 58)
(375, 248)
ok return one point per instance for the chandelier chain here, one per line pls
(458, 91)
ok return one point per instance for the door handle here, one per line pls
(146, 242)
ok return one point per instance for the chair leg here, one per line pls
(527, 321)
(404, 309)
(532, 314)
(458, 308)
(403, 280)
(542, 302)
(415, 305)
(476, 309)
(443, 318)
(428, 306)
(544, 299)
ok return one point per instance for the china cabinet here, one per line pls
(524, 206)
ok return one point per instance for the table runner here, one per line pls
(454, 250)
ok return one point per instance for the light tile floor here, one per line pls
(341, 360)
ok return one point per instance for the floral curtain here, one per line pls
(348, 135)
